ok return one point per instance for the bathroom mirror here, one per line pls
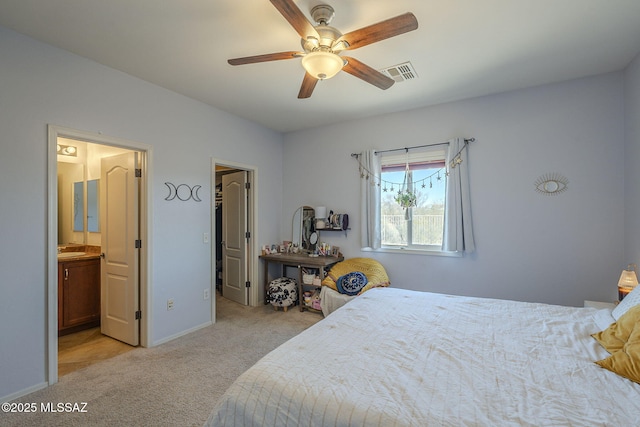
(78, 206)
(68, 175)
(91, 206)
(303, 227)
(93, 220)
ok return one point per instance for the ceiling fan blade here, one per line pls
(264, 58)
(382, 30)
(366, 73)
(308, 84)
(295, 17)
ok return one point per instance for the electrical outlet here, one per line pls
(170, 304)
(205, 237)
(205, 295)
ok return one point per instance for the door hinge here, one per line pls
(138, 173)
(247, 284)
(138, 315)
(247, 235)
(138, 244)
(247, 185)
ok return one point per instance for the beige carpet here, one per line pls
(174, 384)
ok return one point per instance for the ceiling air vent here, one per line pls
(401, 72)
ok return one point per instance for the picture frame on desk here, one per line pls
(335, 251)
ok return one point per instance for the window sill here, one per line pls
(414, 252)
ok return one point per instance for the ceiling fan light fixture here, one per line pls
(322, 65)
(322, 45)
(340, 46)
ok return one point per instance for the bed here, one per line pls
(394, 357)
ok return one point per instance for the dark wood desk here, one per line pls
(298, 261)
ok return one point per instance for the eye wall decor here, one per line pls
(551, 184)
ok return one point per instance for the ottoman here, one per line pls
(282, 292)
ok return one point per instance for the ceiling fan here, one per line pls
(323, 44)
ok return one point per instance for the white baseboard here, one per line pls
(181, 334)
(24, 392)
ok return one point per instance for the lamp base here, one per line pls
(623, 292)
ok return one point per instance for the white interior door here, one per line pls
(119, 301)
(234, 240)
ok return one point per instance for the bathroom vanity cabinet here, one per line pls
(78, 295)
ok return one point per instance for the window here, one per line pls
(420, 227)
(439, 194)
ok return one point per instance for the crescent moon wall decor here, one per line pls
(183, 192)
(194, 193)
(551, 184)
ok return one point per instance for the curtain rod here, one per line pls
(466, 141)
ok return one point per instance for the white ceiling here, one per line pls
(462, 49)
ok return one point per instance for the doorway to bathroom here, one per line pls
(97, 205)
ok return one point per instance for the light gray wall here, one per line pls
(41, 85)
(632, 162)
(556, 249)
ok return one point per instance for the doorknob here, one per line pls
(102, 255)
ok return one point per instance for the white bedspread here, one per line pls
(393, 357)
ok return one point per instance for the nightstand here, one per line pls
(599, 304)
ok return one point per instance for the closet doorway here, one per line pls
(234, 227)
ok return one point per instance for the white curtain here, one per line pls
(370, 200)
(458, 230)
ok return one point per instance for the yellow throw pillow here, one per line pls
(375, 272)
(626, 362)
(616, 335)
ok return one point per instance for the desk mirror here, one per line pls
(304, 233)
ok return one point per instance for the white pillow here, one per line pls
(603, 318)
(629, 301)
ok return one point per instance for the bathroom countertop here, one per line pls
(79, 257)
(90, 252)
